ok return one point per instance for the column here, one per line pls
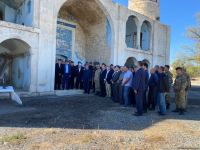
(138, 35)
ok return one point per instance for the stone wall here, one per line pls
(22, 14)
(29, 36)
(90, 20)
(90, 35)
(96, 45)
(161, 44)
(146, 7)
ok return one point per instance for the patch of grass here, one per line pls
(16, 138)
(155, 139)
(86, 138)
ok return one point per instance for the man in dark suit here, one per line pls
(102, 80)
(79, 73)
(66, 75)
(58, 74)
(132, 94)
(108, 82)
(139, 88)
(72, 75)
(115, 86)
(153, 84)
(92, 69)
(145, 67)
(87, 77)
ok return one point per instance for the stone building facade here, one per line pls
(34, 33)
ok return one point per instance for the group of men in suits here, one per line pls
(68, 76)
(134, 86)
(129, 86)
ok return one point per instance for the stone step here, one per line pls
(68, 92)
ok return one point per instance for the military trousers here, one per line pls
(180, 99)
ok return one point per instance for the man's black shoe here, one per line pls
(137, 115)
(161, 114)
(181, 112)
(176, 111)
(144, 111)
(151, 109)
(168, 106)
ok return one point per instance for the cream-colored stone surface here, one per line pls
(90, 36)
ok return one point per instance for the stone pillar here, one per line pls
(139, 25)
(36, 13)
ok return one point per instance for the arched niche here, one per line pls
(15, 63)
(131, 32)
(131, 62)
(145, 37)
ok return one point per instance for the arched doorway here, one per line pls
(131, 62)
(145, 41)
(148, 63)
(84, 32)
(131, 32)
(15, 63)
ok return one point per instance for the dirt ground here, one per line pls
(92, 123)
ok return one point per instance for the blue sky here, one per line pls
(179, 14)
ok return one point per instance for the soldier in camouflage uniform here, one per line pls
(180, 86)
(170, 82)
(188, 85)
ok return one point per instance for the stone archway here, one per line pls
(131, 32)
(90, 30)
(15, 63)
(131, 62)
(145, 38)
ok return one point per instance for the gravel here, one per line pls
(90, 122)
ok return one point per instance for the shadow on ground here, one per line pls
(82, 112)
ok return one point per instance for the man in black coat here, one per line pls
(115, 86)
(139, 88)
(58, 75)
(108, 82)
(79, 73)
(102, 80)
(66, 75)
(72, 75)
(145, 67)
(87, 77)
(153, 83)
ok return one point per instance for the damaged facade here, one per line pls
(33, 33)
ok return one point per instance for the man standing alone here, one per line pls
(180, 86)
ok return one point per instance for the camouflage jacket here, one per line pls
(180, 83)
(170, 78)
(188, 80)
(97, 75)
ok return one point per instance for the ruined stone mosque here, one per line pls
(35, 33)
